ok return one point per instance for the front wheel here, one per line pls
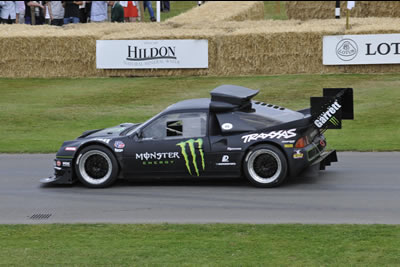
(96, 167)
(265, 166)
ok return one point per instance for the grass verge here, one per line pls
(37, 115)
(176, 8)
(271, 10)
(194, 245)
(275, 10)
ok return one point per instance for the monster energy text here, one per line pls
(157, 155)
(161, 162)
(189, 147)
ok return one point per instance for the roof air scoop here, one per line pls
(229, 97)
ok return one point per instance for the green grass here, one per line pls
(195, 245)
(271, 11)
(37, 115)
(176, 8)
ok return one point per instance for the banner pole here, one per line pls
(158, 5)
(337, 10)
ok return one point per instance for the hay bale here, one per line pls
(235, 48)
(296, 47)
(305, 10)
(44, 51)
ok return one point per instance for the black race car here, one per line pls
(228, 135)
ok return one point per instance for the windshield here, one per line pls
(143, 124)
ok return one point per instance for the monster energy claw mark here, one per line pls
(185, 156)
(191, 145)
(334, 121)
(193, 152)
(200, 147)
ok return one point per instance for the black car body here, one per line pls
(228, 135)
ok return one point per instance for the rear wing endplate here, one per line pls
(335, 105)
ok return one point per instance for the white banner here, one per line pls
(151, 54)
(361, 49)
(351, 4)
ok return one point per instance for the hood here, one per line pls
(109, 132)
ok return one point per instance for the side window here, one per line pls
(174, 128)
(177, 125)
(155, 130)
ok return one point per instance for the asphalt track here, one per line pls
(362, 188)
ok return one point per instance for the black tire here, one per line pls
(265, 166)
(96, 167)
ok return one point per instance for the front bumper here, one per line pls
(62, 174)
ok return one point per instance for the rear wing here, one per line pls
(335, 105)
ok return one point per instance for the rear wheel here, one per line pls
(96, 167)
(265, 166)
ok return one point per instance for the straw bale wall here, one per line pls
(262, 47)
(305, 10)
(70, 51)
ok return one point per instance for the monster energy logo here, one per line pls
(334, 121)
(192, 145)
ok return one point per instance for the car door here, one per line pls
(226, 152)
(174, 144)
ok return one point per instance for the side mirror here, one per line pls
(139, 134)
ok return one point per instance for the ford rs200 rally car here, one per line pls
(228, 135)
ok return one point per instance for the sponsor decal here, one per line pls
(157, 155)
(334, 121)
(118, 150)
(288, 145)
(227, 126)
(160, 162)
(288, 141)
(136, 53)
(346, 49)
(233, 148)
(361, 49)
(298, 155)
(151, 54)
(70, 148)
(104, 140)
(66, 164)
(272, 135)
(188, 150)
(119, 144)
(157, 158)
(328, 115)
(383, 49)
(225, 161)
